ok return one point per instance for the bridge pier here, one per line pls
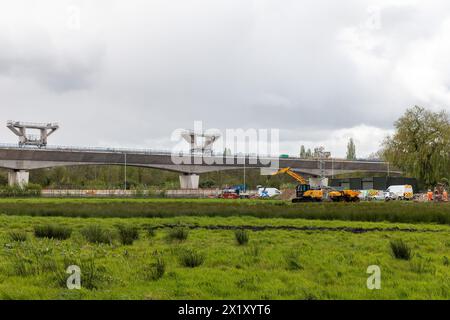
(18, 177)
(189, 181)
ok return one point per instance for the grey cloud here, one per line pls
(156, 66)
(57, 71)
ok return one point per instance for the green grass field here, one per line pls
(286, 257)
(406, 212)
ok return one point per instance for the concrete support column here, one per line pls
(189, 181)
(18, 177)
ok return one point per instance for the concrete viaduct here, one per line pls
(20, 160)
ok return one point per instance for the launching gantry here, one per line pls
(200, 142)
(39, 140)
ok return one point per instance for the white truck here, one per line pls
(268, 192)
(403, 192)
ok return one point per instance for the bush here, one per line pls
(400, 250)
(207, 184)
(180, 234)
(128, 234)
(52, 231)
(191, 259)
(96, 234)
(241, 236)
(17, 236)
(33, 190)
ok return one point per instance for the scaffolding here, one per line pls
(25, 139)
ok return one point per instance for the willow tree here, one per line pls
(420, 147)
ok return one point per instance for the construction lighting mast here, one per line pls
(320, 154)
(40, 140)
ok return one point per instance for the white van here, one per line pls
(268, 192)
(404, 192)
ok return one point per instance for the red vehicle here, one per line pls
(229, 194)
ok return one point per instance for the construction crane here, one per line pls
(304, 193)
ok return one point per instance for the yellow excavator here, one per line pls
(304, 192)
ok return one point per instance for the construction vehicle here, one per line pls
(404, 192)
(266, 193)
(304, 192)
(235, 192)
(344, 195)
(229, 194)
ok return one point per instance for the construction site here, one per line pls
(309, 184)
(224, 159)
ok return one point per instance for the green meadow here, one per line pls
(404, 212)
(254, 250)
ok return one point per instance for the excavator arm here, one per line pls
(294, 175)
(303, 192)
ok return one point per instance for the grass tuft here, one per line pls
(156, 270)
(128, 234)
(97, 234)
(18, 236)
(253, 251)
(191, 259)
(292, 261)
(422, 266)
(22, 266)
(241, 236)
(180, 234)
(52, 231)
(400, 250)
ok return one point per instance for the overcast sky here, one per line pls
(127, 73)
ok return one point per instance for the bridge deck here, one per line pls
(27, 158)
